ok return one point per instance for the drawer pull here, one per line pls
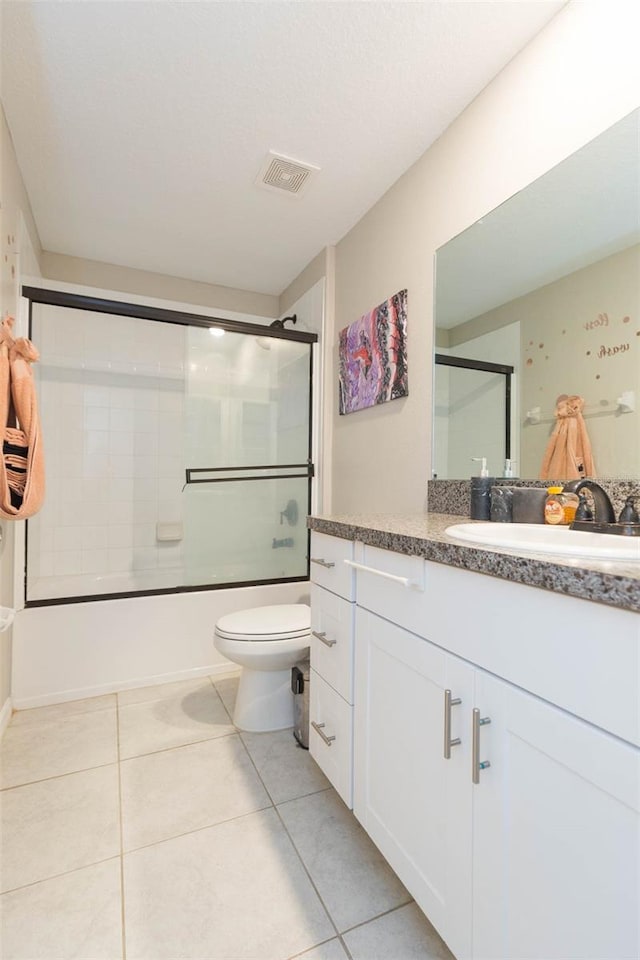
(323, 638)
(327, 564)
(319, 728)
(448, 742)
(406, 582)
(476, 763)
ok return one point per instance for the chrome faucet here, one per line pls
(602, 503)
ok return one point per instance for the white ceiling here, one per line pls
(140, 126)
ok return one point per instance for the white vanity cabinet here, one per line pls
(413, 801)
(556, 834)
(332, 627)
(540, 857)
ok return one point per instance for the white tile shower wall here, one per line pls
(112, 406)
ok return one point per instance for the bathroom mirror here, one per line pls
(549, 284)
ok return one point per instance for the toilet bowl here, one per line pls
(266, 642)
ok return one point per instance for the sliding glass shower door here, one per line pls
(177, 451)
(247, 414)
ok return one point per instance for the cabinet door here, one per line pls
(556, 828)
(414, 803)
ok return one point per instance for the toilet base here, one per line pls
(264, 701)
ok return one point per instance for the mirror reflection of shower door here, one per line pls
(247, 412)
(472, 401)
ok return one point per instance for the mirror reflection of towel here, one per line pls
(21, 463)
(568, 455)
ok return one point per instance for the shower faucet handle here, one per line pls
(290, 512)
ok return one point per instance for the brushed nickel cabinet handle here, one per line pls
(327, 564)
(323, 638)
(476, 763)
(319, 729)
(448, 742)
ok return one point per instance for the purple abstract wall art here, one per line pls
(373, 356)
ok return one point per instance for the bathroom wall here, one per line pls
(19, 253)
(310, 308)
(108, 276)
(576, 78)
(14, 203)
(291, 299)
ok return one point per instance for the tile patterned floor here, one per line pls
(143, 826)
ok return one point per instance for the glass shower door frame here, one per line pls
(41, 295)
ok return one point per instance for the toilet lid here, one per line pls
(283, 621)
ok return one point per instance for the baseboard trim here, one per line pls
(5, 714)
(64, 696)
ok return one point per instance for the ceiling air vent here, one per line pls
(285, 175)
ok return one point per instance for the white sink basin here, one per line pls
(548, 539)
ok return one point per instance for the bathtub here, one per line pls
(69, 651)
(138, 581)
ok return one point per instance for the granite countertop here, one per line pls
(611, 582)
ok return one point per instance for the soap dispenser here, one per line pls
(481, 492)
(509, 466)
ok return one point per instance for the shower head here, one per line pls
(279, 324)
(265, 342)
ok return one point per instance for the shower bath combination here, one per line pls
(148, 397)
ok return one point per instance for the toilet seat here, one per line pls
(263, 624)
(266, 642)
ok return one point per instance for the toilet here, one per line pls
(266, 642)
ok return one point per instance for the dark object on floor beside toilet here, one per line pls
(300, 689)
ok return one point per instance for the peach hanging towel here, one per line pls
(21, 463)
(568, 455)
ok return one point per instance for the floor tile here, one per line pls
(33, 751)
(404, 934)
(57, 711)
(332, 950)
(74, 917)
(287, 770)
(233, 890)
(169, 793)
(197, 714)
(161, 691)
(351, 876)
(58, 825)
(227, 687)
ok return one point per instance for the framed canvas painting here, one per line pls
(373, 356)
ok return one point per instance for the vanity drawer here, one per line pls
(582, 657)
(331, 739)
(328, 567)
(394, 586)
(332, 628)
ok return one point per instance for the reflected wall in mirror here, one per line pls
(548, 283)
